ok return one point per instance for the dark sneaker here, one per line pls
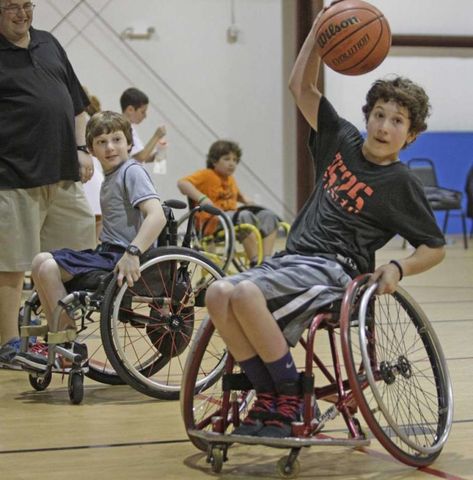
(289, 409)
(9, 350)
(263, 408)
(36, 358)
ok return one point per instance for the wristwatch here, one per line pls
(133, 250)
(82, 148)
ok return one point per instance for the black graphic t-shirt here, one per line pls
(357, 206)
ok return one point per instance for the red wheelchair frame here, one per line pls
(396, 376)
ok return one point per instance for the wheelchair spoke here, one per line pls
(149, 326)
(406, 399)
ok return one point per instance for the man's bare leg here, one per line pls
(11, 287)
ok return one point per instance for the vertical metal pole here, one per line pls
(306, 12)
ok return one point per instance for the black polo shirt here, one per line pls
(39, 97)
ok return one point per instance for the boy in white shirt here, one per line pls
(134, 105)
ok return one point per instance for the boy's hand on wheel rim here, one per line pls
(387, 277)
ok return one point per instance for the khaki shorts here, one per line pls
(40, 219)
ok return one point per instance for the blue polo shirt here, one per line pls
(39, 97)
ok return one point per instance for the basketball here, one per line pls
(353, 37)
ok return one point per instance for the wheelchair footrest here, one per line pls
(287, 442)
(63, 336)
(33, 331)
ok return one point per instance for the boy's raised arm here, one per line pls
(304, 76)
(148, 153)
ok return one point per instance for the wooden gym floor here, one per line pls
(117, 433)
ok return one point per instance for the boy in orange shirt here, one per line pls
(216, 185)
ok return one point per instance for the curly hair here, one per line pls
(405, 93)
(220, 148)
(107, 122)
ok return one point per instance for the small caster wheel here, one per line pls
(40, 383)
(216, 459)
(288, 471)
(75, 386)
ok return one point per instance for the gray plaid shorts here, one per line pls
(295, 288)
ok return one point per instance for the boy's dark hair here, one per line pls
(220, 148)
(405, 93)
(134, 97)
(107, 122)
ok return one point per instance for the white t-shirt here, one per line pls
(92, 188)
(137, 143)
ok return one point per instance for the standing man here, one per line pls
(42, 158)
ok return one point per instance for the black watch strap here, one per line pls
(133, 250)
(82, 148)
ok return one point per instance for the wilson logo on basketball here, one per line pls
(334, 29)
(352, 50)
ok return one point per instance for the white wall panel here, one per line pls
(202, 87)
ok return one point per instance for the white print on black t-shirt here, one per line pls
(344, 188)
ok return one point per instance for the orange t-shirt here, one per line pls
(222, 191)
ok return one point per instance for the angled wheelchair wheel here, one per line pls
(203, 398)
(398, 373)
(147, 328)
(218, 247)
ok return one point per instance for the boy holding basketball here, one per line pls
(362, 197)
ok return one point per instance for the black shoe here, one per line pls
(289, 408)
(9, 350)
(32, 361)
(263, 408)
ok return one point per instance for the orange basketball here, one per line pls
(353, 37)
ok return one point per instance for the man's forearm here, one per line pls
(80, 124)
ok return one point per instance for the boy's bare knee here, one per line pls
(47, 269)
(38, 260)
(243, 292)
(218, 291)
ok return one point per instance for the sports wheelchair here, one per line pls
(396, 377)
(138, 335)
(222, 241)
